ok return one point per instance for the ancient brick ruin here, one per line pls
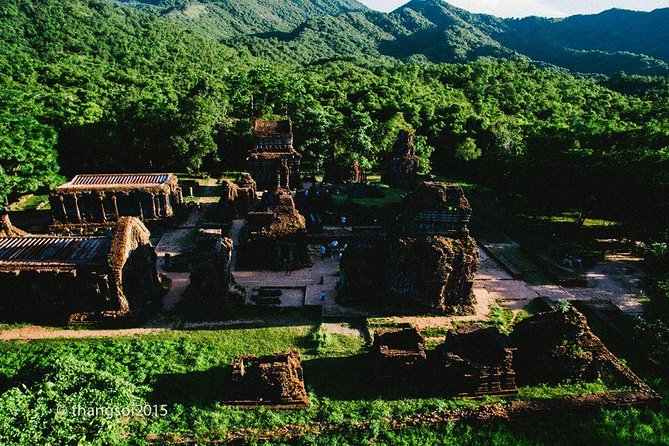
(276, 380)
(435, 273)
(274, 237)
(435, 209)
(338, 172)
(428, 260)
(238, 199)
(433, 260)
(549, 348)
(363, 274)
(398, 349)
(273, 161)
(211, 284)
(101, 199)
(557, 347)
(402, 164)
(477, 361)
(55, 279)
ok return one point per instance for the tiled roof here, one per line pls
(72, 251)
(262, 127)
(140, 179)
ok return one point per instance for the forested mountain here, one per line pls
(315, 30)
(615, 40)
(91, 85)
(230, 18)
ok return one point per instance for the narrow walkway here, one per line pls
(174, 241)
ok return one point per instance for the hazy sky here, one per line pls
(546, 8)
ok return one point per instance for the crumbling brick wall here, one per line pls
(428, 261)
(209, 292)
(397, 350)
(363, 273)
(338, 172)
(402, 165)
(275, 237)
(436, 273)
(7, 229)
(477, 361)
(275, 380)
(435, 208)
(557, 347)
(237, 200)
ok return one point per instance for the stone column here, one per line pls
(166, 204)
(63, 208)
(159, 206)
(102, 207)
(116, 292)
(77, 213)
(153, 205)
(113, 198)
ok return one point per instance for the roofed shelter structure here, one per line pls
(101, 199)
(273, 161)
(56, 279)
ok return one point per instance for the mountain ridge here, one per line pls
(308, 31)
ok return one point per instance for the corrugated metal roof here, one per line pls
(61, 250)
(120, 179)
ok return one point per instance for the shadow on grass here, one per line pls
(202, 388)
(209, 191)
(357, 378)
(349, 378)
(206, 317)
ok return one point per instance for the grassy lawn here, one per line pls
(187, 372)
(391, 197)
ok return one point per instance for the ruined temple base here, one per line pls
(275, 381)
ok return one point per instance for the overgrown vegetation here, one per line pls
(101, 87)
(186, 371)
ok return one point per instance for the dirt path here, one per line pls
(616, 279)
(34, 332)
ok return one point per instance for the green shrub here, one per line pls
(52, 405)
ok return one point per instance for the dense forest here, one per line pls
(94, 86)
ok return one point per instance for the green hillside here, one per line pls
(89, 85)
(228, 18)
(432, 30)
(615, 40)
